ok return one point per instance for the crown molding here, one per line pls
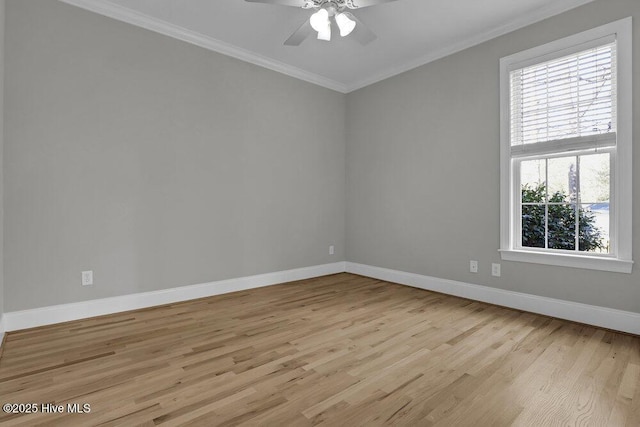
(526, 20)
(120, 13)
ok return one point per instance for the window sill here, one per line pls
(563, 260)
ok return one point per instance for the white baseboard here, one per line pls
(1, 330)
(619, 320)
(24, 319)
(593, 315)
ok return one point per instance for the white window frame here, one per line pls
(620, 259)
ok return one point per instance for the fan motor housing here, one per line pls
(332, 6)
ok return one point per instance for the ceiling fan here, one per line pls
(326, 12)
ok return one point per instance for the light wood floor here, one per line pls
(337, 350)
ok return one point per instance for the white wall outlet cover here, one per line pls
(332, 250)
(87, 278)
(495, 270)
(473, 266)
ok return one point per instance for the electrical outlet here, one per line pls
(473, 266)
(495, 270)
(87, 278)
(332, 250)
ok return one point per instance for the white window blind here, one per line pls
(568, 101)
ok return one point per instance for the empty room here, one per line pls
(319, 212)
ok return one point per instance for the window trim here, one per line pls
(621, 259)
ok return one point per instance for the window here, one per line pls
(566, 145)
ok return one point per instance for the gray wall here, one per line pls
(156, 163)
(423, 169)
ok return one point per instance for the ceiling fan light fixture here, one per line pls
(320, 20)
(325, 33)
(326, 14)
(345, 23)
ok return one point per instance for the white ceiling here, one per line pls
(410, 32)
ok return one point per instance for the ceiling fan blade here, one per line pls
(359, 4)
(362, 33)
(300, 34)
(294, 3)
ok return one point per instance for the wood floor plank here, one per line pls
(335, 350)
